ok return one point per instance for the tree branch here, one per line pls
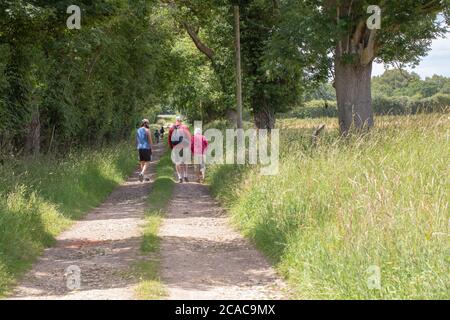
(94, 62)
(430, 7)
(338, 16)
(349, 15)
(368, 51)
(193, 34)
(198, 42)
(358, 35)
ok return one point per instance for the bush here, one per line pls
(87, 86)
(314, 109)
(4, 112)
(382, 105)
(437, 103)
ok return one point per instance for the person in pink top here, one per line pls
(199, 145)
(179, 136)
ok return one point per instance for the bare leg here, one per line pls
(185, 170)
(179, 171)
(197, 171)
(144, 167)
(203, 167)
(203, 171)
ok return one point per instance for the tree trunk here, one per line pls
(33, 139)
(354, 96)
(264, 115)
(237, 48)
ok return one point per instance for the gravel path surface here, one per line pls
(103, 245)
(204, 258)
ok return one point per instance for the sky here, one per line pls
(437, 61)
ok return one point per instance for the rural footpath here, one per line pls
(202, 256)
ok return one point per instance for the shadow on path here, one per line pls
(104, 245)
(204, 258)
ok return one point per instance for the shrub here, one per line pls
(382, 105)
(438, 103)
(314, 109)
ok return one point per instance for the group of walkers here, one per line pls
(159, 134)
(179, 139)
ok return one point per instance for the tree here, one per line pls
(395, 82)
(338, 29)
(61, 87)
(196, 90)
(210, 26)
(324, 91)
(402, 83)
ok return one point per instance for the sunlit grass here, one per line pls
(150, 286)
(338, 208)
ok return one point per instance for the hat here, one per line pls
(197, 131)
(145, 121)
(178, 119)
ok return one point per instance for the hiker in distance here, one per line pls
(180, 138)
(199, 145)
(157, 136)
(144, 145)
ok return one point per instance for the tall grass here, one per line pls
(337, 209)
(40, 198)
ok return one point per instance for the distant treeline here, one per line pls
(61, 88)
(395, 92)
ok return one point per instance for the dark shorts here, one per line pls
(145, 155)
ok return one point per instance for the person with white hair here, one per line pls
(180, 138)
(199, 145)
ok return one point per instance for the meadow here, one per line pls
(342, 206)
(42, 197)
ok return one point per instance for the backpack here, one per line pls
(177, 135)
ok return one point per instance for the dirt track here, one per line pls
(104, 245)
(204, 258)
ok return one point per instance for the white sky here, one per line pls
(437, 61)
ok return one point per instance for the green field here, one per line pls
(347, 204)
